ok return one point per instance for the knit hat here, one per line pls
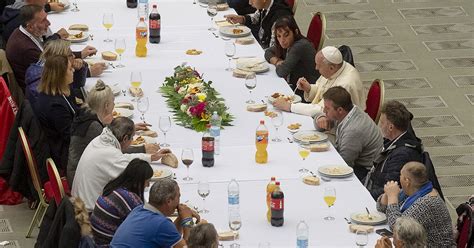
(332, 54)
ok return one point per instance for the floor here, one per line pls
(422, 49)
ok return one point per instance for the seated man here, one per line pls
(334, 72)
(400, 147)
(242, 7)
(358, 139)
(148, 225)
(261, 22)
(103, 160)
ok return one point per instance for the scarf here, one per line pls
(409, 200)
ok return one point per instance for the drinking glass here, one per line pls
(250, 83)
(361, 238)
(142, 106)
(136, 81)
(212, 11)
(164, 125)
(108, 22)
(277, 120)
(187, 157)
(304, 152)
(203, 191)
(235, 223)
(329, 198)
(76, 9)
(229, 52)
(120, 49)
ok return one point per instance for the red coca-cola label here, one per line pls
(155, 24)
(277, 204)
(208, 145)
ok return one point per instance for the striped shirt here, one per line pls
(109, 212)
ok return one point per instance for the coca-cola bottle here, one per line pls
(207, 148)
(155, 25)
(277, 206)
(132, 3)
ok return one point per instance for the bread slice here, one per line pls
(80, 27)
(319, 147)
(257, 107)
(227, 236)
(354, 228)
(311, 180)
(109, 56)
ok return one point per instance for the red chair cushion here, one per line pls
(373, 101)
(49, 189)
(315, 30)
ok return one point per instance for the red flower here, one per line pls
(176, 89)
(198, 109)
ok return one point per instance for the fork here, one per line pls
(215, 35)
(113, 66)
(91, 36)
(289, 140)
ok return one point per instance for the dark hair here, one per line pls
(285, 22)
(132, 178)
(28, 12)
(340, 98)
(397, 114)
(121, 127)
(203, 236)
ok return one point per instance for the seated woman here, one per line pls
(55, 108)
(119, 198)
(89, 122)
(261, 22)
(293, 55)
(418, 200)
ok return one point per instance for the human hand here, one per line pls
(77, 64)
(97, 69)
(142, 126)
(384, 199)
(152, 148)
(88, 51)
(303, 85)
(383, 242)
(392, 190)
(184, 211)
(235, 19)
(56, 6)
(282, 104)
(158, 155)
(323, 123)
(63, 33)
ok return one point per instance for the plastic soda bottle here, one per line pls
(142, 38)
(277, 205)
(261, 142)
(302, 232)
(207, 148)
(155, 25)
(271, 186)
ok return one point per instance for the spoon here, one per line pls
(289, 140)
(348, 221)
(92, 36)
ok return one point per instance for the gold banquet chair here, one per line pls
(43, 205)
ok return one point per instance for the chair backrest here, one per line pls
(375, 98)
(55, 180)
(32, 166)
(316, 30)
(293, 4)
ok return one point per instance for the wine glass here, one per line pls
(277, 120)
(136, 82)
(203, 191)
(142, 106)
(361, 238)
(250, 83)
(187, 157)
(229, 52)
(164, 124)
(329, 198)
(108, 22)
(235, 223)
(212, 11)
(304, 152)
(76, 9)
(120, 49)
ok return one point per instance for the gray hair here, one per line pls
(99, 97)
(162, 190)
(203, 236)
(122, 127)
(410, 232)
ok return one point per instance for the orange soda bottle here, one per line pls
(261, 142)
(271, 186)
(142, 38)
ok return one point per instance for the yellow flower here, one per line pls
(205, 117)
(201, 97)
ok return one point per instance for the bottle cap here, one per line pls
(277, 183)
(262, 122)
(208, 126)
(273, 178)
(142, 19)
(154, 5)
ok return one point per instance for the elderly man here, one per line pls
(400, 147)
(358, 139)
(103, 160)
(148, 225)
(334, 72)
(407, 232)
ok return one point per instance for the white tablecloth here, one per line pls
(184, 26)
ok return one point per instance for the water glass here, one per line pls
(361, 238)
(203, 191)
(229, 52)
(76, 9)
(142, 106)
(164, 125)
(212, 11)
(250, 83)
(277, 120)
(235, 223)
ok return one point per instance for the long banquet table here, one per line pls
(184, 26)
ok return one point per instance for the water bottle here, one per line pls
(233, 196)
(143, 9)
(302, 232)
(216, 131)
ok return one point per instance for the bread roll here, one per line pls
(227, 236)
(257, 107)
(240, 73)
(319, 147)
(170, 160)
(311, 180)
(109, 56)
(80, 27)
(244, 41)
(354, 228)
(136, 92)
(124, 105)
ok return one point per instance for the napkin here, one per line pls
(354, 228)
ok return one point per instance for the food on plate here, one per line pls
(124, 105)
(138, 141)
(109, 56)
(364, 217)
(79, 27)
(157, 173)
(227, 236)
(170, 159)
(270, 114)
(277, 95)
(244, 41)
(256, 107)
(238, 73)
(76, 36)
(116, 114)
(136, 92)
(310, 137)
(319, 147)
(222, 6)
(336, 170)
(294, 126)
(311, 180)
(193, 52)
(354, 228)
(237, 30)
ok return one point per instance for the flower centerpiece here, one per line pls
(193, 100)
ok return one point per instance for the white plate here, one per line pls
(363, 219)
(124, 112)
(71, 38)
(256, 65)
(148, 140)
(296, 99)
(66, 6)
(310, 136)
(228, 31)
(336, 171)
(92, 61)
(165, 173)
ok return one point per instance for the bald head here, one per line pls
(416, 172)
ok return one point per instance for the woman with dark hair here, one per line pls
(119, 197)
(293, 55)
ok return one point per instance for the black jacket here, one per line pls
(390, 161)
(277, 10)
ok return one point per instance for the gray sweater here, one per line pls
(298, 62)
